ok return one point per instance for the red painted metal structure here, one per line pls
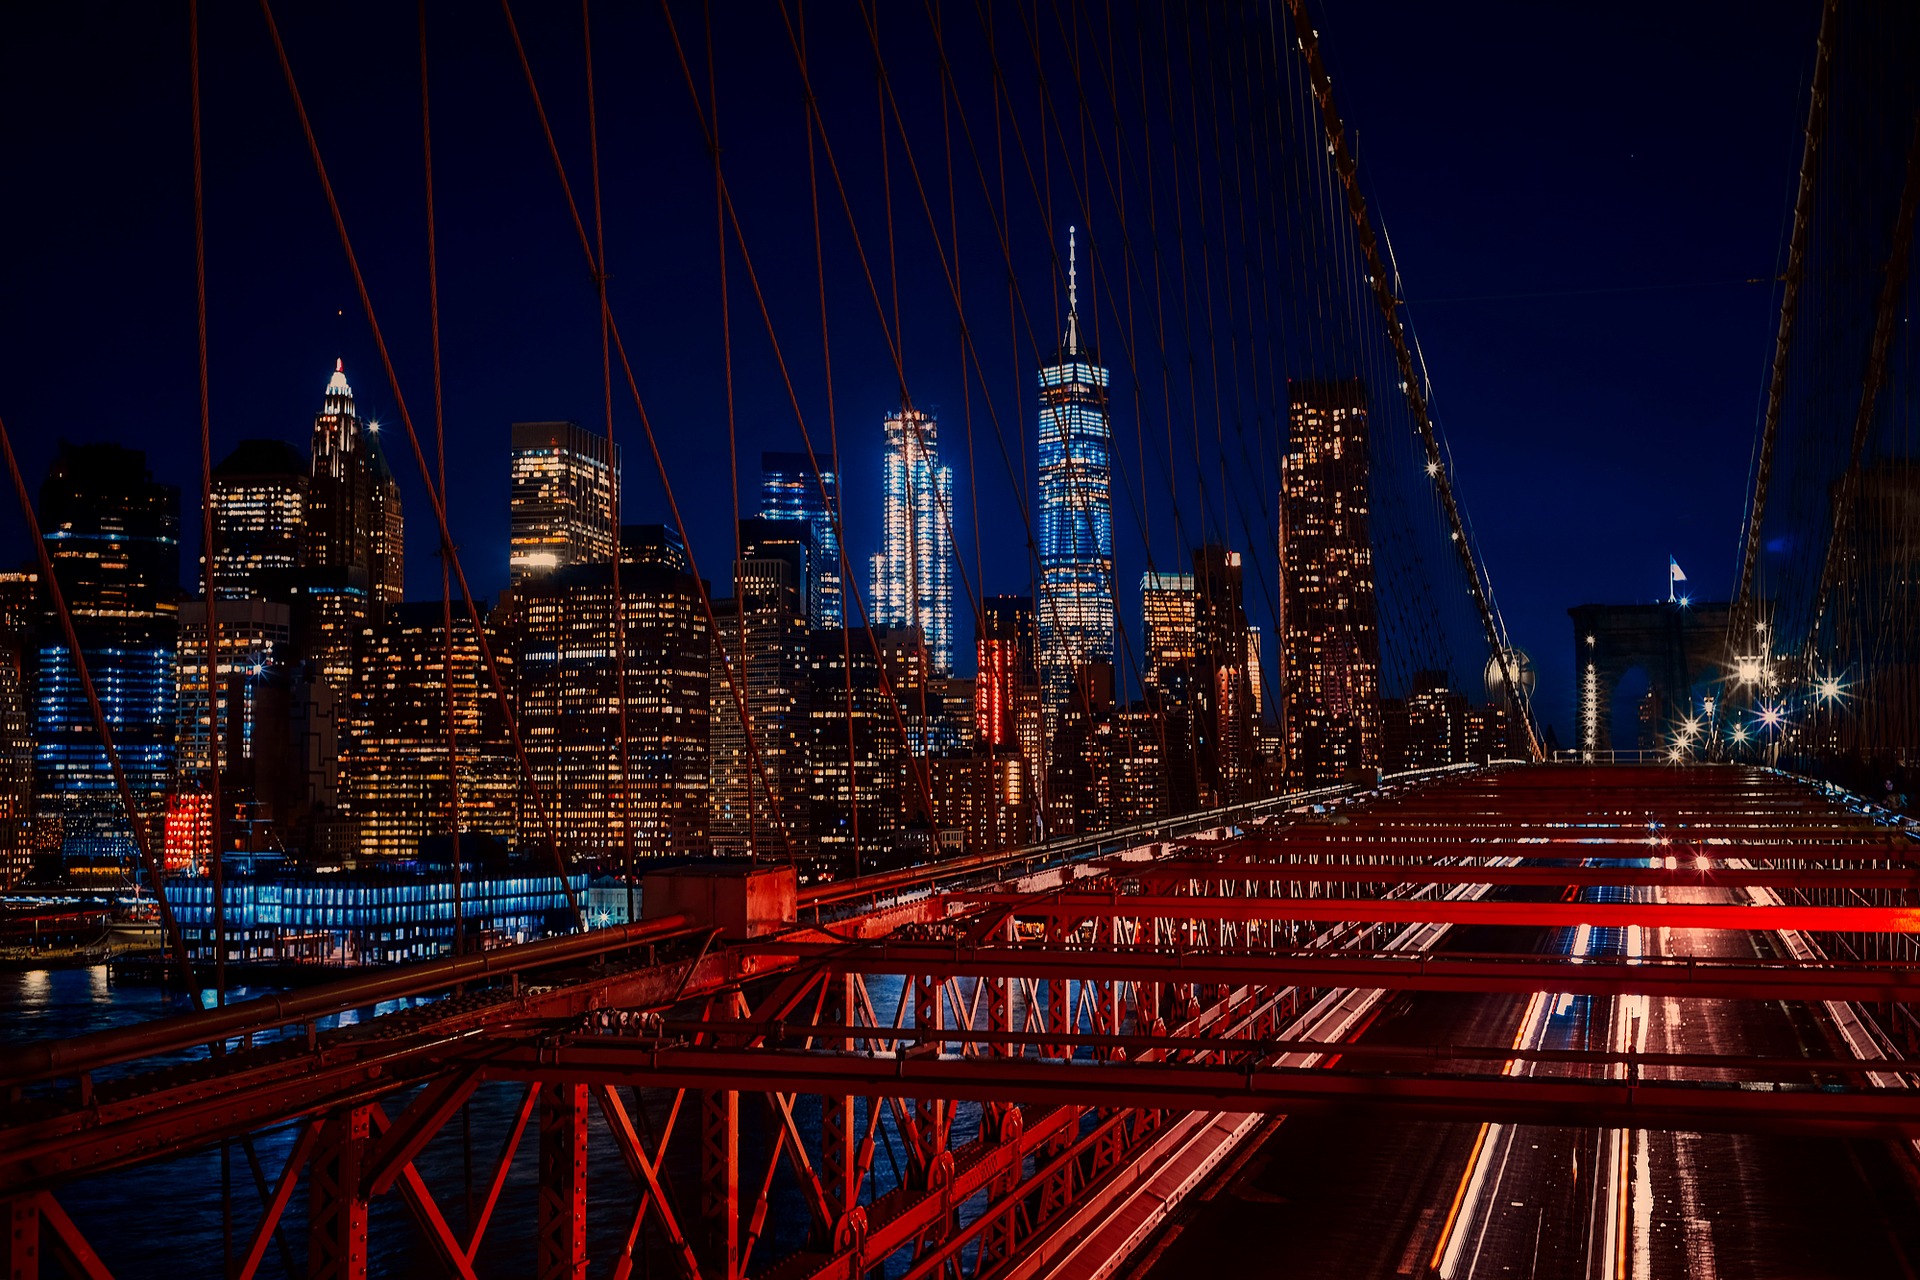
(1034, 1033)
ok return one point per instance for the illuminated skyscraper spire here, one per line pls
(1075, 609)
(1072, 343)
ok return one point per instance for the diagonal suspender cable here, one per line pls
(921, 780)
(216, 850)
(419, 454)
(599, 256)
(440, 450)
(1409, 375)
(141, 836)
(833, 445)
(754, 763)
(1740, 618)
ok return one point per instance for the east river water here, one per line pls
(171, 1219)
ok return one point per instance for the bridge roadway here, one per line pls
(1370, 1197)
(1657, 1074)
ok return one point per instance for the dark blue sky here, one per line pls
(1576, 196)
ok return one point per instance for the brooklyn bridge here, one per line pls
(1255, 920)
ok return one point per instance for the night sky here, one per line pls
(1581, 200)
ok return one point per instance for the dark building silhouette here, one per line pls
(1222, 684)
(353, 503)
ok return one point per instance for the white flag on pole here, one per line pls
(1673, 567)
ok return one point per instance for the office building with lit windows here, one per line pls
(253, 638)
(395, 766)
(565, 481)
(569, 706)
(912, 584)
(760, 797)
(1005, 680)
(113, 535)
(1330, 642)
(793, 487)
(856, 765)
(1166, 614)
(1075, 457)
(259, 499)
(19, 602)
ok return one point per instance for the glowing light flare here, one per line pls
(1770, 716)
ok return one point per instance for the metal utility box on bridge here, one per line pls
(740, 900)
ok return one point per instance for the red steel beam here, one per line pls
(21, 1064)
(781, 1034)
(1513, 973)
(1258, 848)
(1685, 876)
(1603, 915)
(1549, 1100)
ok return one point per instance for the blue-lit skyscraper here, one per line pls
(792, 489)
(1075, 609)
(114, 538)
(913, 570)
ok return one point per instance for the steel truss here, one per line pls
(962, 1082)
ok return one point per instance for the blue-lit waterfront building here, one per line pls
(913, 570)
(792, 487)
(1075, 456)
(369, 917)
(113, 535)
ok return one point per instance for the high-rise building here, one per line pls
(1079, 794)
(760, 800)
(1330, 638)
(19, 600)
(913, 570)
(986, 801)
(654, 544)
(1005, 672)
(1227, 758)
(1166, 612)
(1429, 728)
(353, 502)
(565, 479)
(777, 557)
(792, 487)
(253, 637)
(857, 798)
(114, 538)
(569, 706)
(259, 519)
(395, 768)
(1075, 455)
